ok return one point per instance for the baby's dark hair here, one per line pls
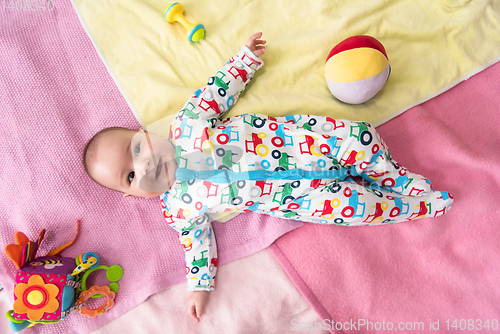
(90, 151)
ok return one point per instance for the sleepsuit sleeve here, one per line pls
(223, 89)
(205, 106)
(198, 241)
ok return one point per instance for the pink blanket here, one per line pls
(55, 94)
(442, 272)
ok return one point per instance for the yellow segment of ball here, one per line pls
(355, 64)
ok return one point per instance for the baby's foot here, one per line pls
(399, 208)
(434, 204)
(406, 183)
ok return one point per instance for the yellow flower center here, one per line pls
(35, 297)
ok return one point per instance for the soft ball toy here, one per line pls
(356, 69)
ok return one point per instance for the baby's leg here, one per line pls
(358, 146)
(366, 154)
(346, 203)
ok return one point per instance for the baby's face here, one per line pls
(138, 163)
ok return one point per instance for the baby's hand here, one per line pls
(196, 303)
(256, 45)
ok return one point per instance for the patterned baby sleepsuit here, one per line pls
(295, 167)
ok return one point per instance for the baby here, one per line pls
(296, 167)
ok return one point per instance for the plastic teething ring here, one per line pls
(95, 290)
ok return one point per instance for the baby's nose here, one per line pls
(146, 166)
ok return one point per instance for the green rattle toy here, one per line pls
(175, 13)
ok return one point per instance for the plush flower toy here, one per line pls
(48, 288)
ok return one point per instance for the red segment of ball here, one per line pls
(361, 41)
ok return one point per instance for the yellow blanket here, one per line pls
(431, 44)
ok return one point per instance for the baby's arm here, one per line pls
(198, 240)
(224, 88)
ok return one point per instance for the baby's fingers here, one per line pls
(256, 45)
(253, 40)
(199, 309)
(192, 312)
(255, 36)
(259, 51)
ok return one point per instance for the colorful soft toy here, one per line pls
(48, 288)
(356, 69)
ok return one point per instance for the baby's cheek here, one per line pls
(171, 173)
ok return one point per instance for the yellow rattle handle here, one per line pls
(84, 266)
(175, 13)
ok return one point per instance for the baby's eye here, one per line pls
(137, 150)
(131, 177)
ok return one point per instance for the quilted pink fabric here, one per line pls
(55, 93)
